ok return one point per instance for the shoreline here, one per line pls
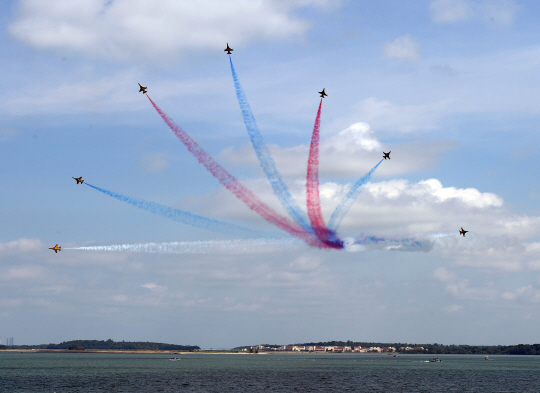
(127, 351)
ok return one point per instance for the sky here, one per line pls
(450, 87)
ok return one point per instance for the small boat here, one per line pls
(174, 359)
(487, 358)
(435, 360)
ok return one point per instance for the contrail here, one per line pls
(312, 190)
(203, 247)
(180, 215)
(263, 154)
(439, 235)
(348, 200)
(367, 243)
(233, 185)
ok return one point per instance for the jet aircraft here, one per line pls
(322, 93)
(386, 155)
(142, 88)
(56, 249)
(228, 50)
(79, 179)
(463, 232)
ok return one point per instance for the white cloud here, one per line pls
(462, 289)
(502, 12)
(432, 189)
(120, 298)
(528, 293)
(104, 95)
(22, 245)
(442, 274)
(448, 11)
(453, 308)
(154, 162)
(426, 210)
(533, 249)
(242, 307)
(357, 135)
(400, 207)
(138, 29)
(388, 116)
(154, 287)
(403, 48)
(23, 273)
(352, 152)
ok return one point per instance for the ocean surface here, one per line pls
(88, 372)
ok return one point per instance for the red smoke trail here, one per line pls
(233, 185)
(312, 190)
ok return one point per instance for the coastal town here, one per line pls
(335, 349)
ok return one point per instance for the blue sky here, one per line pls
(450, 87)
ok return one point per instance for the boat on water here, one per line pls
(174, 359)
(487, 358)
(435, 360)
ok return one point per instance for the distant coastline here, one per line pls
(109, 345)
(124, 347)
(395, 348)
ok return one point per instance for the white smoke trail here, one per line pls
(369, 243)
(203, 247)
(439, 235)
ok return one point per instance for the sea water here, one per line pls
(276, 372)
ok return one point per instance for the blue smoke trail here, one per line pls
(180, 215)
(347, 201)
(267, 163)
(367, 243)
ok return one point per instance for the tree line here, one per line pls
(438, 349)
(110, 344)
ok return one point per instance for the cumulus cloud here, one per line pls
(154, 287)
(351, 152)
(22, 245)
(447, 11)
(117, 92)
(502, 12)
(103, 95)
(154, 162)
(442, 274)
(401, 207)
(22, 273)
(528, 293)
(426, 210)
(398, 206)
(403, 48)
(388, 116)
(461, 288)
(137, 29)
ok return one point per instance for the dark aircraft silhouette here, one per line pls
(228, 50)
(142, 88)
(463, 232)
(56, 249)
(79, 179)
(322, 93)
(386, 155)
